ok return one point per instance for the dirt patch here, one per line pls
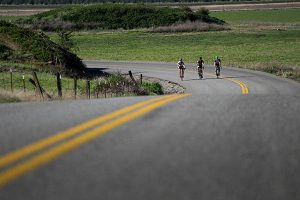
(21, 12)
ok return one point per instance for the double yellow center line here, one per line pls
(243, 86)
(245, 89)
(66, 141)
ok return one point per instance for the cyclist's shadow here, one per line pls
(203, 79)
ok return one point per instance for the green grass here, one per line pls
(47, 81)
(115, 84)
(274, 16)
(153, 87)
(234, 48)
(19, 66)
(12, 18)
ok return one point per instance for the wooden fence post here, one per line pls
(59, 88)
(88, 89)
(132, 78)
(75, 87)
(141, 78)
(37, 83)
(98, 90)
(136, 87)
(43, 91)
(11, 81)
(24, 85)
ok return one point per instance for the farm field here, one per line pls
(275, 16)
(12, 18)
(235, 48)
(258, 39)
(270, 42)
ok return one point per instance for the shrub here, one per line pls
(114, 16)
(153, 87)
(5, 52)
(203, 11)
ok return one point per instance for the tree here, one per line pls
(65, 40)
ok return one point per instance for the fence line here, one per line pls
(59, 87)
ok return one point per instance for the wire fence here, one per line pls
(50, 86)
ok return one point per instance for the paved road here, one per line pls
(215, 144)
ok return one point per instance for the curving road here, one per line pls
(232, 138)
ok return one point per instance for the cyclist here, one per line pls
(200, 67)
(217, 64)
(181, 68)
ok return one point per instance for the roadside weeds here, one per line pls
(281, 70)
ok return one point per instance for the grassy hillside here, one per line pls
(114, 16)
(234, 47)
(275, 16)
(260, 49)
(26, 46)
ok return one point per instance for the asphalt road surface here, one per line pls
(235, 138)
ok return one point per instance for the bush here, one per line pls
(5, 52)
(153, 87)
(118, 84)
(203, 11)
(114, 16)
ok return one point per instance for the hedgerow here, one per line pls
(115, 16)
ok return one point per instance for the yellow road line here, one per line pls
(44, 158)
(44, 143)
(246, 90)
(243, 86)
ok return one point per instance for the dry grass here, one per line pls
(188, 26)
(275, 68)
(250, 26)
(249, 6)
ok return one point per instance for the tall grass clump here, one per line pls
(118, 84)
(8, 98)
(189, 26)
(153, 88)
(276, 69)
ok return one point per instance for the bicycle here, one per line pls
(218, 71)
(181, 72)
(200, 72)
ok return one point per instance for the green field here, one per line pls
(246, 46)
(12, 18)
(235, 48)
(275, 16)
(48, 82)
(113, 85)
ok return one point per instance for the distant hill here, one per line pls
(23, 45)
(115, 16)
